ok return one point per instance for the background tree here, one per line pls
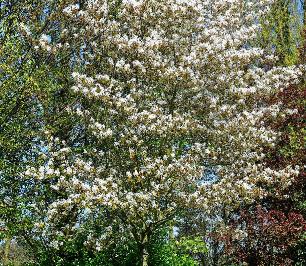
(290, 150)
(33, 91)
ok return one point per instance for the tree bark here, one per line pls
(144, 251)
(7, 250)
(145, 257)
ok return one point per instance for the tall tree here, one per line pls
(168, 89)
(33, 90)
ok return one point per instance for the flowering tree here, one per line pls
(168, 90)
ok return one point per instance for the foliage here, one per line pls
(271, 236)
(183, 251)
(281, 31)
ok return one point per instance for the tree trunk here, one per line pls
(7, 250)
(144, 251)
(304, 10)
(145, 257)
